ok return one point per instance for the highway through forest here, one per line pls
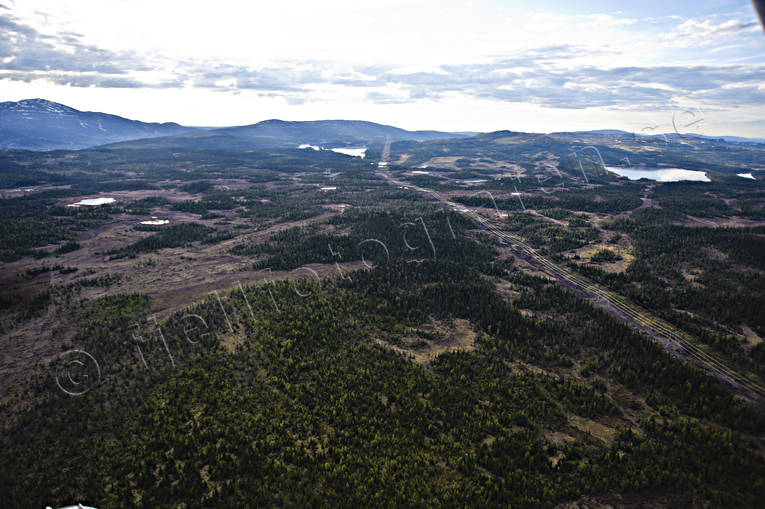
(673, 340)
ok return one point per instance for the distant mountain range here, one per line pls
(620, 133)
(729, 139)
(281, 133)
(37, 124)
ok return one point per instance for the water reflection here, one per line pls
(659, 174)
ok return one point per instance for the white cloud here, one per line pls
(706, 32)
(608, 20)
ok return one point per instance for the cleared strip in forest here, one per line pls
(636, 317)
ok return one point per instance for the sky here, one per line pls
(469, 65)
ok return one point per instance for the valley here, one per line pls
(511, 323)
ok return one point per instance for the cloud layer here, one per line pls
(608, 61)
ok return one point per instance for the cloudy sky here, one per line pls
(466, 65)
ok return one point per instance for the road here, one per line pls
(678, 343)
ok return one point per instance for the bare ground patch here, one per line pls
(605, 434)
(429, 340)
(587, 252)
(751, 337)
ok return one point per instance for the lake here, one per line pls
(350, 151)
(354, 152)
(659, 174)
(93, 201)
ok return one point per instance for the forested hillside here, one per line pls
(295, 328)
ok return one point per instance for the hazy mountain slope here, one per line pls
(37, 124)
(281, 133)
(330, 131)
